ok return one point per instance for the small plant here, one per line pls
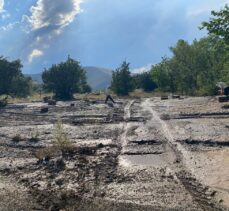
(61, 143)
(60, 139)
(34, 136)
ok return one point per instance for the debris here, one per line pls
(46, 99)
(176, 96)
(3, 103)
(225, 107)
(44, 110)
(51, 102)
(164, 97)
(223, 99)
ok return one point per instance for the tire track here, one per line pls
(195, 188)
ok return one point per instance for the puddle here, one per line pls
(155, 160)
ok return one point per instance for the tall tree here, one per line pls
(122, 82)
(65, 79)
(219, 25)
(144, 81)
(193, 68)
(12, 81)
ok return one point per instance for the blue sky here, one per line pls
(99, 33)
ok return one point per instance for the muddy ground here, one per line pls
(143, 154)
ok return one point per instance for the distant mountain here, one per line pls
(97, 78)
(35, 77)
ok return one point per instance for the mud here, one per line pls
(121, 157)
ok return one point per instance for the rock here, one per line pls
(44, 110)
(51, 102)
(164, 97)
(176, 96)
(60, 182)
(100, 145)
(46, 99)
(57, 164)
(3, 103)
(223, 99)
(221, 201)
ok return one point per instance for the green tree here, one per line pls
(22, 86)
(65, 79)
(144, 81)
(12, 81)
(122, 82)
(160, 73)
(193, 68)
(219, 25)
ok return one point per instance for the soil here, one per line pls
(143, 154)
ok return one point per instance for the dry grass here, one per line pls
(33, 98)
(46, 153)
(61, 140)
(13, 197)
(60, 143)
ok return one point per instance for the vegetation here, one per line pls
(65, 79)
(219, 25)
(60, 140)
(195, 68)
(144, 81)
(122, 83)
(12, 81)
(60, 143)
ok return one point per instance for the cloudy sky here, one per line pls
(99, 33)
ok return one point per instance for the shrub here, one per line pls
(60, 139)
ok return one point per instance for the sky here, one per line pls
(100, 33)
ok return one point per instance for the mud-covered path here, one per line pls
(142, 154)
(156, 165)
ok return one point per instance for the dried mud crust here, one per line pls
(120, 158)
(201, 134)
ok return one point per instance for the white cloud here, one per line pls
(202, 9)
(35, 53)
(53, 15)
(47, 20)
(9, 26)
(3, 13)
(1, 5)
(142, 69)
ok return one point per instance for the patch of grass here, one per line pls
(60, 143)
(46, 153)
(36, 97)
(13, 197)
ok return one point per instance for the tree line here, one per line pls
(193, 69)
